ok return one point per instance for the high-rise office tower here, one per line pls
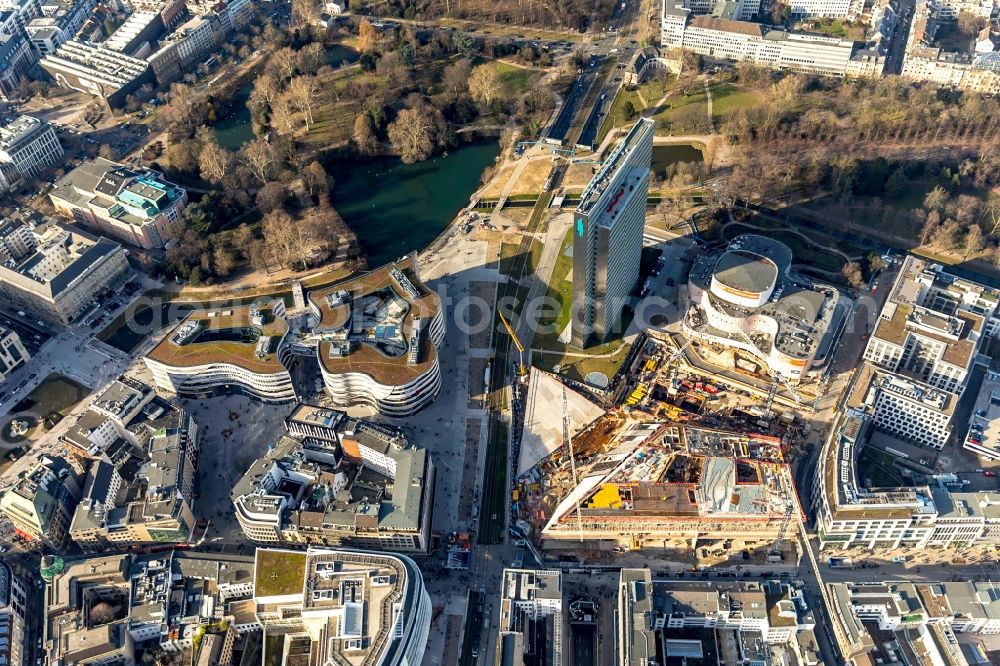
(607, 241)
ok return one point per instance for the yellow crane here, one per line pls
(522, 371)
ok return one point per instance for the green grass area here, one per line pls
(560, 289)
(832, 28)
(492, 518)
(654, 89)
(279, 572)
(274, 647)
(53, 399)
(684, 114)
(509, 262)
(727, 98)
(617, 117)
(517, 79)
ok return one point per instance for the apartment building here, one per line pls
(531, 617)
(921, 516)
(757, 43)
(29, 146)
(60, 20)
(13, 608)
(768, 621)
(99, 71)
(918, 622)
(135, 206)
(12, 352)
(358, 484)
(376, 601)
(975, 68)
(140, 487)
(607, 242)
(924, 345)
(40, 504)
(54, 271)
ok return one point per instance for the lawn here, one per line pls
(517, 79)
(279, 572)
(53, 399)
(684, 114)
(617, 117)
(727, 98)
(654, 89)
(561, 290)
(509, 261)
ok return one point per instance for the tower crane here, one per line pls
(568, 441)
(522, 370)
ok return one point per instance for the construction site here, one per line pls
(637, 480)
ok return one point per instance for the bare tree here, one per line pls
(852, 273)
(974, 241)
(214, 162)
(283, 115)
(364, 134)
(102, 613)
(258, 158)
(416, 133)
(367, 36)
(485, 84)
(456, 76)
(302, 92)
(278, 227)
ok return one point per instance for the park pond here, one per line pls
(396, 208)
(664, 156)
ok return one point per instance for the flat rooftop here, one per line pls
(225, 335)
(746, 271)
(983, 436)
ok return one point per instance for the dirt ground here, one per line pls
(492, 189)
(577, 176)
(535, 173)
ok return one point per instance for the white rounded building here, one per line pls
(378, 338)
(239, 349)
(745, 296)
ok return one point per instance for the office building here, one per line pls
(377, 338)
(338, 481)
(341, 607)
(99, 71)
(171, 598)
(40, 504)
(13, 608)
(12, 353)
(134, 36)
(219, 351)
(922, 516)
(54, 271)
(760, 622)
(135, 206)
(757, 43)
(531, 617)
(16, 61)
(29, 146)
(607, 237)
(140, 485)
(748, 297)
(673, 482)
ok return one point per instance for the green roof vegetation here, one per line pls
(279, 572)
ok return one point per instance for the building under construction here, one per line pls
(676, 482)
